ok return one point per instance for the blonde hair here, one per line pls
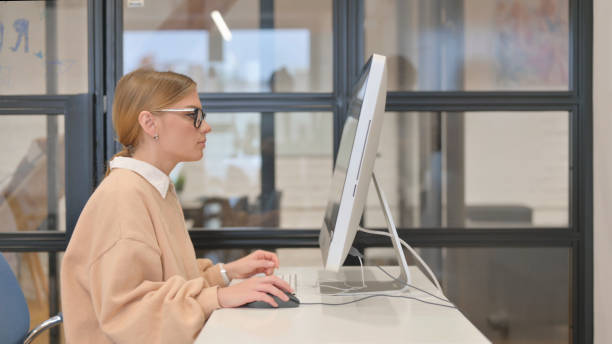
(144, 90)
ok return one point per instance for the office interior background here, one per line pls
(494, 143)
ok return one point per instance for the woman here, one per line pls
(130, 274)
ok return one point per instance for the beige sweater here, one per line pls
(130, 274)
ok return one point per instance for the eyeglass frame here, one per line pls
(194, 114)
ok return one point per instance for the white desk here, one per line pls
(375, 320)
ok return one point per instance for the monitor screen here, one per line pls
(344, 151)
(352, 176)
(354, 163)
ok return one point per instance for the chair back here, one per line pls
(14, 312)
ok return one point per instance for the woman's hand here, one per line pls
(256, 262)
(253, 289)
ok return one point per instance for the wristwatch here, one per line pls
(224, 273)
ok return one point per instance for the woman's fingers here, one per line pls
(262, 264)
(267, 298)
(271, 289)
(266, 271)
(278, 282)
(255, 289)
(267, 256)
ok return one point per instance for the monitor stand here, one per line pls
(349, 281)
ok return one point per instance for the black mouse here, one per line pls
(291, 303)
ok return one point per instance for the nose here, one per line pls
(205, 127)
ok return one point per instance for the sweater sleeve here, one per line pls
(210, 272)
(134, 304)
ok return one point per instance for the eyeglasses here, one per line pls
(196, 113)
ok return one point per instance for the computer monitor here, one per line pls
(354, 170)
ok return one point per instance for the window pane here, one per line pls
(512, 295)
(285, 48)
(32, 195)
(473, 45)
(474, 169)
(244, 181)
(33, 61)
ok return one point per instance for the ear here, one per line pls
(148, 122)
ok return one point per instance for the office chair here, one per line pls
(14, 312)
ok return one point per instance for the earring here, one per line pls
(156, 137)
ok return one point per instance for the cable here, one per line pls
(344, 291)
(362, 273)
(411, 250)
(376, 295)
(355, 253)
(412, 286)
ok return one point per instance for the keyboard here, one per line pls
(291, 279)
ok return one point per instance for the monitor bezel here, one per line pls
(335, 247)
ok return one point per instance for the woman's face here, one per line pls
(179, 140)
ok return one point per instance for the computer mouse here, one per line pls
(291, 303)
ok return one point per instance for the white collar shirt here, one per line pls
(152, 174)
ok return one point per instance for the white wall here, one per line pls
(602, 141)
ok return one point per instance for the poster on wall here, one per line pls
(532, 44)
(30, 56)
